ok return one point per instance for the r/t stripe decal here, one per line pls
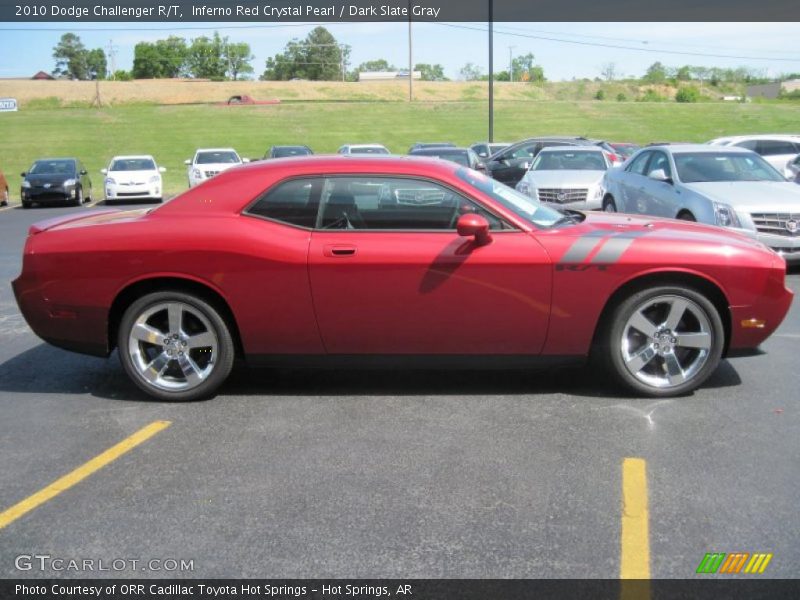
(613, 246)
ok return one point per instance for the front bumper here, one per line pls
(51, 194)
(785, 245)
(132, 192)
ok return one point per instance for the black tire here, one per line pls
(686, 216)
(610, 346)
(88, 198)
(78, 200)
(4, 198)
(26, 204)
(609, 205)
(220, 368)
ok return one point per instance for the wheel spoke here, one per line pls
(675, 373)
(638, 361)
(641, 323)
(202, 340)
(145, 333)
(190, 370)
(701, 340)
(156, 367)
(676, 311)
(175, 314)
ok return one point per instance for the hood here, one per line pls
(751, 196)
(132, 176)
(215, 166)
(85, 219)
(564, 179)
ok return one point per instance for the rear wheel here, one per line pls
(175, 346)
(609, 205)
(663, 341)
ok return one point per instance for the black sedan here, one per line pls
(56, 180)
(462, 156)
(426, 145)
(509, 165)
(286, 151)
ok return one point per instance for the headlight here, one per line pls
(26, 183)
(155, 179)
(69, 182)
(110, 181)
(524, 188)
(725, 216)
(197, 174)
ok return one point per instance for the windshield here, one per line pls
(529, 209)
(290, 151)
(369, 150)
(133, 164)
(723, 166)
(220, 156)
(573, 160)
(53, 167)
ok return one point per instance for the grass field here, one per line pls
(171, 133)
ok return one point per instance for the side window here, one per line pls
(384, 203)
(639, 163)
(660, 161)
(294, 202)
(775, 147)
(749, 144)
(528, 151)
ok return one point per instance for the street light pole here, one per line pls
(491, 71)
(410, 59)
(511, 64)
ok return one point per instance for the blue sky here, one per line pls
(573, 50)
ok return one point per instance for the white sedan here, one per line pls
(133, 178)
(567, 176)
(208, 162)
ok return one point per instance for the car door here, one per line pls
(659, 198)
(631, 183)
(510, 166)
(390, 275)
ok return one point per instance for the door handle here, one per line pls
(338, 250)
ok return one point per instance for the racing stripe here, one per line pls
(583, 246)
(615, 246)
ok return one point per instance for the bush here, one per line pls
(687, 94)
(122, 76)
(621, 97)
(650, 95)
(600, 95)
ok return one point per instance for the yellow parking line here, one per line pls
(70, 479)
(635, 538)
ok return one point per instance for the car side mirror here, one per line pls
(84, 172)
(188, 161)
(104, 171)
(162, 169)
(660, 175)
(472, 225)
(245, 160)
(23, 174)
(526, 165)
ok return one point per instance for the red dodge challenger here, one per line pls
(377, 260)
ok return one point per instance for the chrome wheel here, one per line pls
(666, 341)
(173, 346)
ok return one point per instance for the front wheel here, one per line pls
(663, 341)
(175, 346)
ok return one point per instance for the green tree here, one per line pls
(319, 57)
(380, 64)
(656, 73)
(687, 94)
(600, 95)
(204, 58)
(96, 66)
(470, 72)
(70, 56)
(684, 73)
(163, 58)
(238, 57)
(430, 72)
(524, 69)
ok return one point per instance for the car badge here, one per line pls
(561, 196)
(47, 185)
(791, 226)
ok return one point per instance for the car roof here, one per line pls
(363, 146)
(214, 150)
(588, 148)
(706, 148)
(131, 157)
(761, 136)
(56, 158)
(438, 150)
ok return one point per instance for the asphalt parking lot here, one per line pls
(395, 474)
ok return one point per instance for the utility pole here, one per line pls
(112, 53)
(491, 71)
(410, 59)
(511, 64)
